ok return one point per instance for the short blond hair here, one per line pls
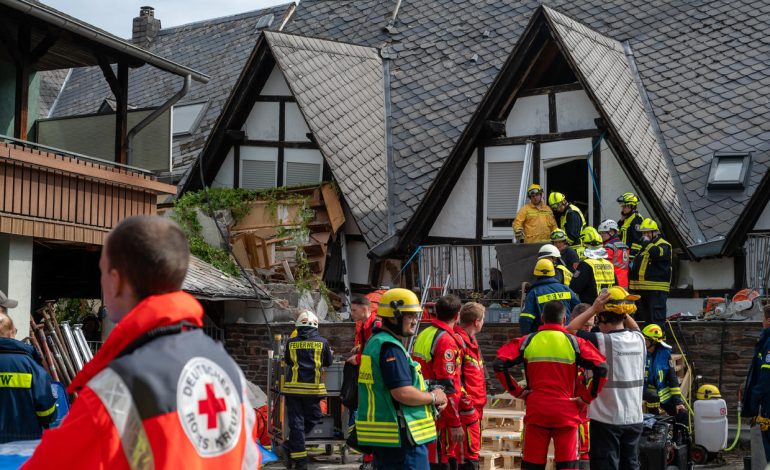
(471, 312)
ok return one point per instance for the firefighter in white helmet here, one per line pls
(550, 252)
(617, 251)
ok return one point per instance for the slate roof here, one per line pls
(217, 47)
(704, 65)
(51, 82)
(207, 282)
(340, 91)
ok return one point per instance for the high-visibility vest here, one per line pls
(604, 273)
(620, 401)
(563, 223)
(566, 273)
(377, 420)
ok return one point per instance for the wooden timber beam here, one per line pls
(119, 86)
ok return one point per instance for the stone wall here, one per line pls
(708, 346)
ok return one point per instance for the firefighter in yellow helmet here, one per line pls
(395, 415)
(543, 290)
(650, 273)
(570, 218)
(594, 272)
(569, 256)
(534, 221)
(629, 222)
(662, 385)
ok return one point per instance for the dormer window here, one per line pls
(729, 170)
(186, 117)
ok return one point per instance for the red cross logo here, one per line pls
(211, 406)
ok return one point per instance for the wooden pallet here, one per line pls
(502, 418)
(494, 460)
(508, 401)
(501, 439)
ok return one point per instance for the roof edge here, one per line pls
(750, 215)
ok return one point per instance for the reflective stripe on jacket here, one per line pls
(618, 255)
(563, 272)
(572, 222)
(473, 372)
(542, 291)
(377, 417)
(537, 222)
(604, 273)
(651, 269)
(630, 234)
(661, 375)
(305, 355)
(439, 350)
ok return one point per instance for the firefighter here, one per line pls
(617, 251)
(551, 357)
(650, 274)
(395, 410)
(474, 384)
(543, 290)
(662, 390)
(594, 273)
(569, 256)
(571, 219)
(551, 253)
(534, 221)
(159, 393)
(756, 391)
(584, 430)
(305, 355)
(629, 222)
(440, 352)
(616, 414)
(27, 404)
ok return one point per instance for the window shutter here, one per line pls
(257, 174)
(302, 173)
(503, 181)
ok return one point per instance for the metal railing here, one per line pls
(758, 262)
(472, 267)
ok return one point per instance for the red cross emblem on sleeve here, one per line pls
(211, 406)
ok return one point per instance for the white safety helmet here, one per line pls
(548, 250)
(307, 318)
(607, 225)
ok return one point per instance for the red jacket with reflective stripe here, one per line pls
(551, 371)
(618, 255)
(89, 438)
(473, 369)
(364, 332)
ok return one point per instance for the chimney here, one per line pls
(145, 27)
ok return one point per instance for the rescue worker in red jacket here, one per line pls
(551, 357)
(617, 251)
(584, 430)
(439, 350)
(159, 393)
(474, 395)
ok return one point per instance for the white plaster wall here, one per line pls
(262, 123)
(224, 178)
(358, 263)
(296, 127)
(457, 218)
(716, 273)
(614, 182)
(528, 116)
(574, 111)
(350, 227)
(16, 264)
(276, 85)
(763, 223)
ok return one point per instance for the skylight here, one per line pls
(187, 117)
(728, 170)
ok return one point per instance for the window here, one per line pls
(186, 118)
(258, 167)
(302, 166)
(503, 170)
(729, 170)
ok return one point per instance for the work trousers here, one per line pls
(584, 439)
(615, 446)
(442, 453)
(651, 308)
(471, 421)
(406, 457)
(302, 414)
(536, 441)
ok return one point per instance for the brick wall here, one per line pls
(248, 344)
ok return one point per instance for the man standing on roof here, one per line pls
(594, 273)
(629, 222)
(650, 274)
(305, 355)
(27, 404)
(439, 350)
(395, 411)
(616, 414)
(159, 393)
(662, 389)
(551, 357)
(569, 256)
(475, 385)
(552, 254)
(617, 251)
(570, 218)
(543, 290)
(534, 222)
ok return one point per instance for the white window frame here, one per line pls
(258, 158)
(498, 154)
(304, 156)
(196, 122)
(564, 151)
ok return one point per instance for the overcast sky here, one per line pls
(115, 15)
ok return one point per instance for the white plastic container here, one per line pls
(711, 424)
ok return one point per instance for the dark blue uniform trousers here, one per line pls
(302, 414)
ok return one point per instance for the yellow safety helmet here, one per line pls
(655, 333)
(628, 199)
(555, 199)
(398, 301)
(534, 188)
(544, 268)
(648, 225)
(589, 236)
(707, 392)
(558, 235)
(621, 302)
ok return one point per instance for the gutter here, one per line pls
(58, 19)
(155, 115)
(710, 248)
(391, 166)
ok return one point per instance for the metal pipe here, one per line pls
(525, 173)
(289, 14)
(59, 345)
(71, 346)
(66, 375)
(155, 114)
(80, 340)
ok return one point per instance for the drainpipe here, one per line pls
(155, 115)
